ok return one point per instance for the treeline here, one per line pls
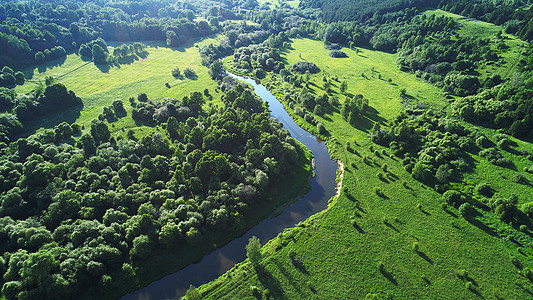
(360, 10)
(87, 213)
(39, 32)
(512, 15)
(15, 110)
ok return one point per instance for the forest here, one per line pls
(109, 185)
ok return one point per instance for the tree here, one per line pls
(189, 73)
(253, 250)
(216, 70)
(196, 100)
(172, 39)
(99, 55)
(344, 86)
(176, 72)
(39, 57)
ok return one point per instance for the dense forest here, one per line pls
(86, 208)
(94, 207)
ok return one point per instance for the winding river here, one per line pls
(222, 259)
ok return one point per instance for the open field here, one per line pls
(275, 3)
(337, 254)
(98, 86)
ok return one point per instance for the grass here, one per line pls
(470, 27)
(382, 95)
(278, 3)
(348, 251)
(99, 86)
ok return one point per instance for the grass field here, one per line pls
(277, 3)
(470, 27)
(382, 95)
(98, 86)
(337, 254)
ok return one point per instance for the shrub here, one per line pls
(337, 54)
(176, 72)
(466, 210)
(453, 197)
(462, 274)
(321, 129)
(189, 73)
(303, 66)
(415, 246)
(523, 228)
(527, 208)
(484, 189)
(520, 178)
(255, 290)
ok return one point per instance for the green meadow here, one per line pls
(98, 86)
(363, 245)
(277, 3)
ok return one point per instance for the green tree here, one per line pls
(99, 55)
(216, 70)
(253, 250)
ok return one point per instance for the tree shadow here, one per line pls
(451, 213)
(104, 68)
(425, 257)
(389, 276)
(269, 282)
(52, 119)
(391, 227)
(424, 211)
(298, 265)
(357, 227)
(52, 64)
(481, 226)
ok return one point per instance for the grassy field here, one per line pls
(470, 27)
(277, 3)
(98, 86)
(383, 95)
(337, 254)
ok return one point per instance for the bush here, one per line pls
(321, 129)
(337, 54)
(176, 72)
(484, 189)
(302, 66)
(415, 246)
(521, 178)
(466, 210)
(189, 73)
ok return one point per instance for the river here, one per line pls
(222, 259)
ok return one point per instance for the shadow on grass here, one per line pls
(392, 227)
(298, 265)
(451, 213)
(269, 282)
(104, 68)
(425, 257)
(357, 227)
(389, 276)
(481, 226)
(50, 120)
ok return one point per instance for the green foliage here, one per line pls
(253, 250)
